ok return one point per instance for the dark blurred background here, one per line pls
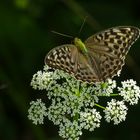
(25, 38)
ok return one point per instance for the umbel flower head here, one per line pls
(74, 104)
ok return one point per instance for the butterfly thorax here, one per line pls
(80, 45)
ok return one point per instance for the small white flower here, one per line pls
(105, 88)
(37, 111)
(70, 130)
(130, 91)
(57, 111)
(90, 119)
(41, 79)
(115, 111)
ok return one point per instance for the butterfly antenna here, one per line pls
(82, 24)
(62, 34)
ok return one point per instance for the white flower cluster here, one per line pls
(130, 91)
(37, 111)
(41, 79)
(115, 111)
(105, 88)
(70, 130)
(90, 119)
(74, 102)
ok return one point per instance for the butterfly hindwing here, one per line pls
(86, 70)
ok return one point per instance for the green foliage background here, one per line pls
(25, 38)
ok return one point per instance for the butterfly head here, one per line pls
(80, 45)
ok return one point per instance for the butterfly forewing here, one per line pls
(111, 46)
(63, 57)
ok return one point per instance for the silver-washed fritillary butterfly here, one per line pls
(100, 57)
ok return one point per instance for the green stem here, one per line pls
(100, 106)
(76, 117)
(115, 94)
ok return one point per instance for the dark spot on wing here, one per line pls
(112, 32)
(121, 49)
(117, 62)
(119, 42)
(118, 36)
(123, 31)
(97, 38)
(106, 36)
(116, 46)
(124, 38)
(107, 66)
(110, 70)
(124, 44)
(101, 36)
(114, 67)
(115, 52)
(111, 40)
(110, 50)
(106, 43)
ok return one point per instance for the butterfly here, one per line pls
(100, 57)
